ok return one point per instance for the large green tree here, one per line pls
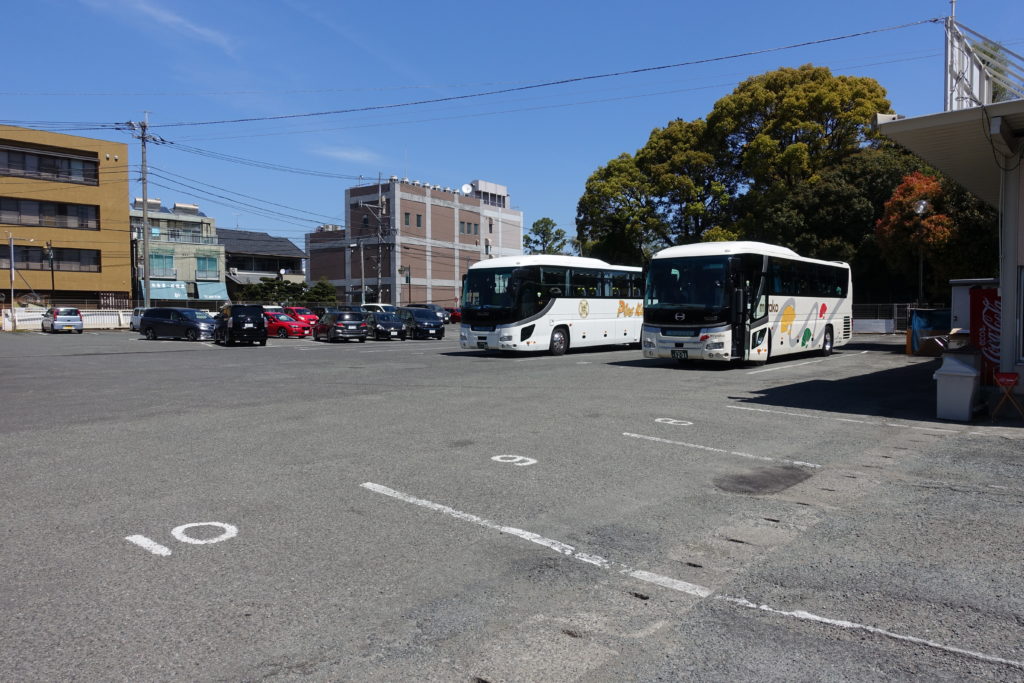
(544, 237)
(780, 130)
(617, 218)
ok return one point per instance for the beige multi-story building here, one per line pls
(63, 204)
(411, 242)
(186, 259)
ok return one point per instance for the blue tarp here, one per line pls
(924, 323)
(213, 291)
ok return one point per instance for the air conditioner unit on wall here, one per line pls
(233, 271)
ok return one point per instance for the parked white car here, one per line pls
(136, 319)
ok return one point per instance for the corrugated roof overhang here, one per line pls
(959, 144)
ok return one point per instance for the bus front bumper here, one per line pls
(706, 345)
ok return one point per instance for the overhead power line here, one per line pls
(548, 84)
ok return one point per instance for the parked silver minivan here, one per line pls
(136, 321)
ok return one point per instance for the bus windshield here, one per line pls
(495, 296)
(698, 283)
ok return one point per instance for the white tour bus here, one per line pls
(536, 303)
(743, 301)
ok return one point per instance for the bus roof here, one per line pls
(549, 260)
(725, 248)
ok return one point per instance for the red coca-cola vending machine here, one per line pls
(986, 326)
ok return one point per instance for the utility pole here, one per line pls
(49, 256)
(379, 210)
(144, 137)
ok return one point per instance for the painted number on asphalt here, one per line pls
(673, 421)
(179, 532)
(519, 460)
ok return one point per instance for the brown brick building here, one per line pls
(67, 197)
(411, 242)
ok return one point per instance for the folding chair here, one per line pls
(1007, 381)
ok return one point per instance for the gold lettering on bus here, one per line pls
(628, 311)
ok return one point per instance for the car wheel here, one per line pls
(80, 331)
(827, 342)
(229, 340)
(150, 334)
(282, 333)
(192, 335)
(362, 340)
(42, 327)
(263, 342)
(559, 342)
(316, 336)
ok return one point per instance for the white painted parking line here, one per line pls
(788, 365)
(711, 449)
(670, 583)
(845, 419)
(149, 544)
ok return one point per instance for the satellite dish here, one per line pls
(467, 189)
(32, 299)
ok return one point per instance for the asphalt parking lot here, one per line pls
(410, 511)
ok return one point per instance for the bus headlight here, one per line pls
(505, 338)
(715, 345)
(649, 343)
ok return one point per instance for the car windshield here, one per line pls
(301, 311)
(427, 314)
(197, 315)
(386, 318)
(285, 318)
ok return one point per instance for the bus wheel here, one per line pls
(559, 341)
(827, 342)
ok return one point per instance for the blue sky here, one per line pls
(108, 61)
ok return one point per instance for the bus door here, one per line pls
(757, 339)
(750, 307)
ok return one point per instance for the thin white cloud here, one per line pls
(169, 20)
(348, 154)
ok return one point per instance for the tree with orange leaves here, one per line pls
(914, 224)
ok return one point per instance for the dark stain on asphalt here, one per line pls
(763, 481)
(462, 443)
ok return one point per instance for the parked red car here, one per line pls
(284, 326)
(302, 313)
(454, 315)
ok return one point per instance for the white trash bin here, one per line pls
(958, 382)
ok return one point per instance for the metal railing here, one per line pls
(899, 314)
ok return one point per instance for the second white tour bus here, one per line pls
(552, 303)
(743, 301)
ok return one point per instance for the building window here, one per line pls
(26, 164)
(476, 228)
(49, 214)
(162, 265)
(34, 258)
(366, 221)
(490, 226)
(419, 220)
(407, 218)
(462, 227)
(206, 268)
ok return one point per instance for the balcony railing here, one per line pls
(169, 273)
(207, 274)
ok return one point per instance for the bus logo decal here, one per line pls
(629, 311)
(680, 316)
(584, 308)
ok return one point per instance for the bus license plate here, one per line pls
(676, 353)
(481, 345)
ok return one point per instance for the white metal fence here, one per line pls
(103, 319)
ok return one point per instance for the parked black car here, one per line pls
(180, 323)
(422, 323)
(385, 326)
(340, 325)
(321, 311)
(436, 308)
(240, 323)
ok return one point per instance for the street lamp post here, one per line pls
(362, 273)
(10, 244)
(921, 206)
